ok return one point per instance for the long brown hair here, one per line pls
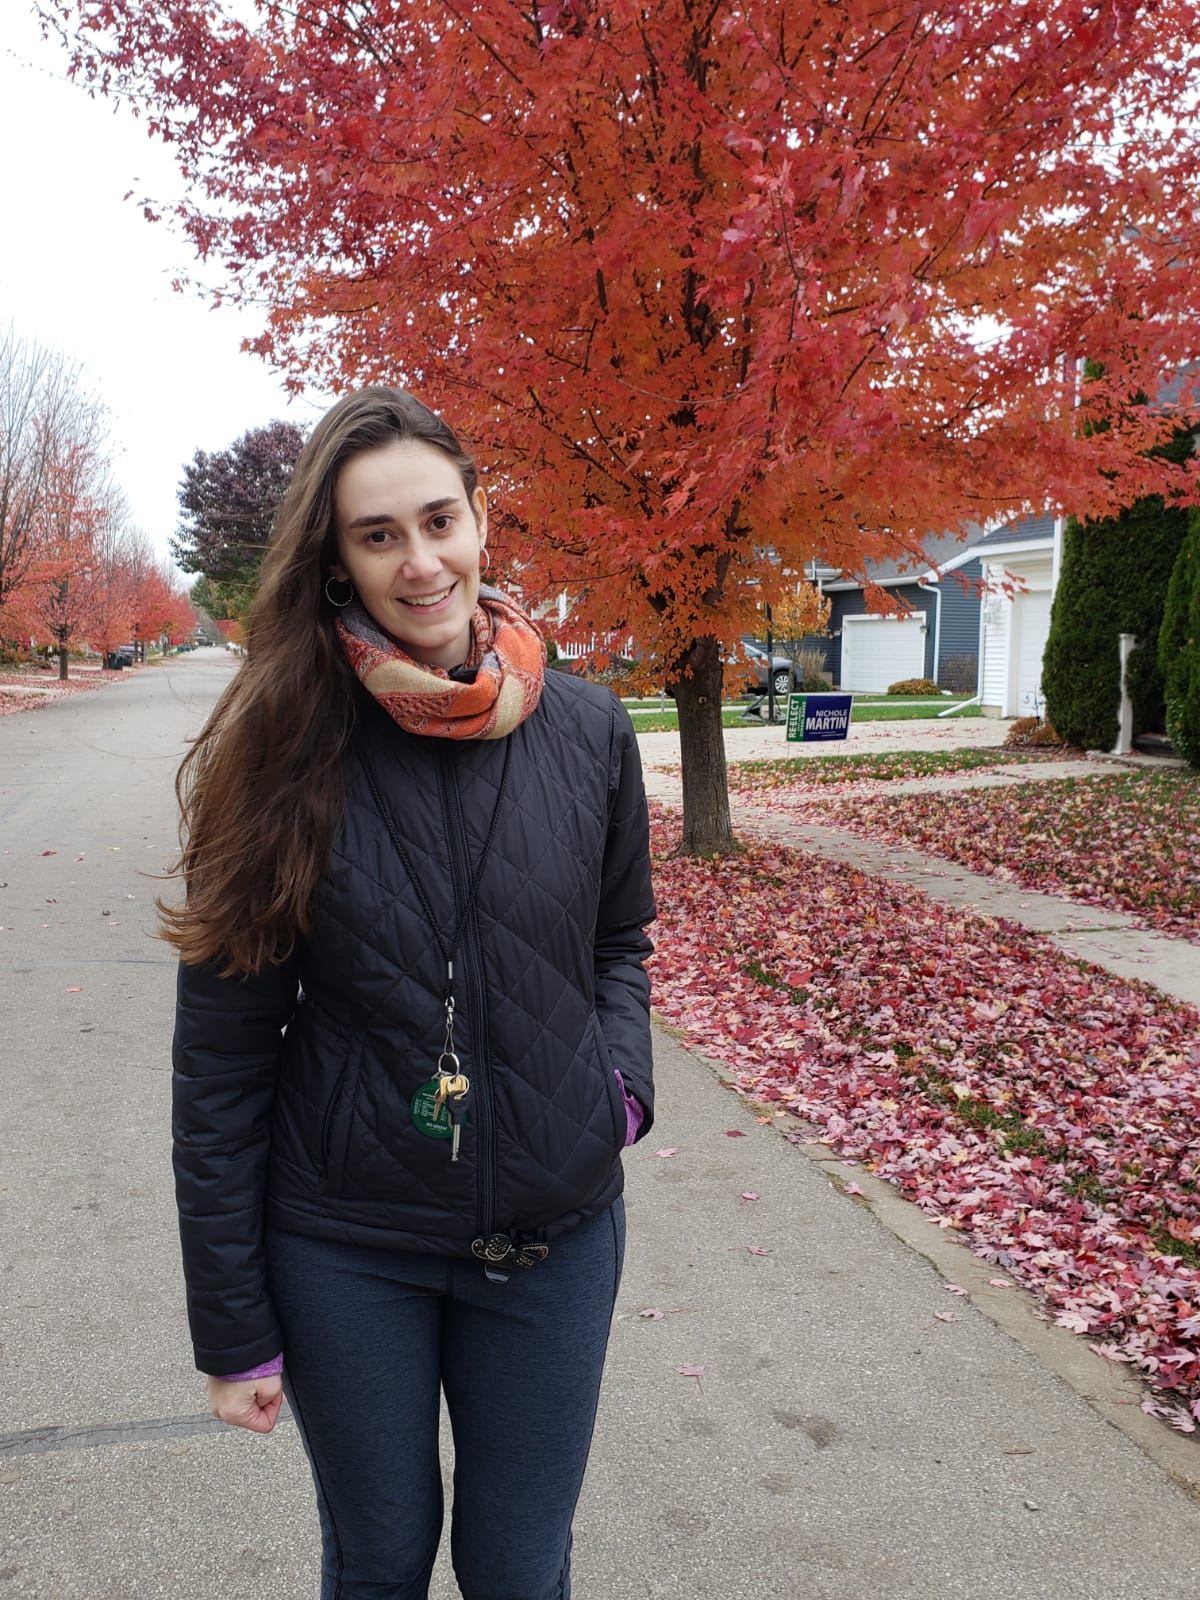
(261, 792)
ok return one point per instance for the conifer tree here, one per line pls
(1179, 648)
(1114, 580)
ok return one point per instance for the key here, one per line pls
(452, 1086)
(453, 1090)
(458, 1113)
(450, 1079)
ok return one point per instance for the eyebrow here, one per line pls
(426, 510)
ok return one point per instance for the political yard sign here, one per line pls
(818, 716)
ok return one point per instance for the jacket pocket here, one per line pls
(616, 1104)
(338, 1117)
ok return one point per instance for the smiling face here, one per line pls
(409, 540)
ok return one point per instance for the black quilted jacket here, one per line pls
(293, 1089)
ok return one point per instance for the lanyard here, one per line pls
(448, 952)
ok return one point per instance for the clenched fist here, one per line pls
(254, 1404)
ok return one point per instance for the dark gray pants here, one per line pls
(371, 1338)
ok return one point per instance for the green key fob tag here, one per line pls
(430, 1116)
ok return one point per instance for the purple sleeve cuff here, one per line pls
(634, 1110)
(268, 1369)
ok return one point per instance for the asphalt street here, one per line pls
(841, 1440)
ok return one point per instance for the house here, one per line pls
(937, 637)
(1020, 569)
(1021, 563)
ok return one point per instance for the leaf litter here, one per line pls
(1124, 841)
(1034, 1104)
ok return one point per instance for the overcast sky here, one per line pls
(82, 271)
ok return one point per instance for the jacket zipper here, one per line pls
(482, 1099)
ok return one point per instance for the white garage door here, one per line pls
(1033, 629)
(878, 651)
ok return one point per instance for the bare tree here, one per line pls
(45, 413)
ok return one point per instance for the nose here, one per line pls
(420, 561)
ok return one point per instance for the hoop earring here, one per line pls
(486, 558)
(345, 591)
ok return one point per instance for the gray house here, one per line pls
(936, 635)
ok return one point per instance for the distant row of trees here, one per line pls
(74, 571)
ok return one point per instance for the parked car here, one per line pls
(755, 668)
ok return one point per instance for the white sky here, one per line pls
(82, 271)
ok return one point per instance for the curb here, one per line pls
(1112, 1391)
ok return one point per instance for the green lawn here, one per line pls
(668, 721)
(881, 711)
(648, 718)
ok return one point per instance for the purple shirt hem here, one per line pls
(267, 1369)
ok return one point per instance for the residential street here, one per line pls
(841, 1440)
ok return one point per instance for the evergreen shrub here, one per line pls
(1179, 648)
(1114, 580)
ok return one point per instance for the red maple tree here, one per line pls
(718, 286)
(58, 600)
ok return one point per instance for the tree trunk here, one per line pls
(62, 663)
(707, 827)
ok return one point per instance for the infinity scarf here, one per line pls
(507, 657)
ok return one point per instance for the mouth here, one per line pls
(428, 602)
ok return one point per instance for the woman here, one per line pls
(412, 1031)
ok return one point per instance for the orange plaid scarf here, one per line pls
(507, 656)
